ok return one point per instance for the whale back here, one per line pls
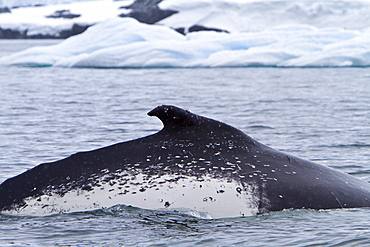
(195, 163)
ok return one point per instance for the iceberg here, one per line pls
(210, 33)
(127, 43)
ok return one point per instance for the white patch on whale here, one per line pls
(203, 196)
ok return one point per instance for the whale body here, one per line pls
(194, 164)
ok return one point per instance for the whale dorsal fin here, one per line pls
(174, 117)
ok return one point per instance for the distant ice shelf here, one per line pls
(58, 20)
(70, 17)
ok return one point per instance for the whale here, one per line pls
(195, 165)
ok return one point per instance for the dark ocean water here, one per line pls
(318, 114)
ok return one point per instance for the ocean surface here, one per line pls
(320, 114)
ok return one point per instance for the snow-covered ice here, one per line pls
(257, 15)
(273, 33)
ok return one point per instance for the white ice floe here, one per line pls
(126, 43)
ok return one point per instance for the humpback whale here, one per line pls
(193, 164)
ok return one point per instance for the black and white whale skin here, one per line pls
(194, 164)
